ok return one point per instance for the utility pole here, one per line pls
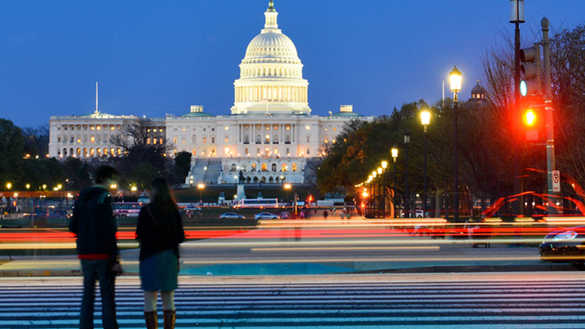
(548, 110)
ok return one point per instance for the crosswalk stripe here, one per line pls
(477, 305)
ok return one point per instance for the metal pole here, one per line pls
(394, 196)
(406, 196)
(384, 194)
(517, 119)
(425, 187)
(548, 110)
(456, 158)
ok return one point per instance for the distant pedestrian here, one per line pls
(160, 231)
(325, 214)
(302, 215)
(95, 226)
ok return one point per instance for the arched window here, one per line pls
(64, 152)
(284, 167)
(193, 139)
(264, 167)
(275, 139)
(274, 167)
(233, 167)
(294, 167)
(253, 167)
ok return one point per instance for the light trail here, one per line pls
(346, 248)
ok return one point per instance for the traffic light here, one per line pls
(534, 124)
(530, 69)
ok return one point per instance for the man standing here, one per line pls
(95, 226)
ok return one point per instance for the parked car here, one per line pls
(192, 208)
(232, 215)
(266, 215)
(564, 246)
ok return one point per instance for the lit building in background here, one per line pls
(269, 137)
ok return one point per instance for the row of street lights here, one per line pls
(425, 116)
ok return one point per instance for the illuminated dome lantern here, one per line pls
(271, 74)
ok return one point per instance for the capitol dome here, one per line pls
(271, 74)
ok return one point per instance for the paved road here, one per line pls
(511, 300)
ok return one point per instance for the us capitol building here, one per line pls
(269, 136)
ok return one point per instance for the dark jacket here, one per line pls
(164, 234)
(93, 222)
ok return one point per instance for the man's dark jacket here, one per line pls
(94, 223)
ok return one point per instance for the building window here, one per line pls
(148, 141)
(204, 140)
(284, 167)
(264, 167)
(308, 151)
(294, 167)
(274, 167)
(308, 138)
(183, 140)
(212, 140)
(92, 139)
(246, 151)
(227, 139)
(175, 140)
(194, 139)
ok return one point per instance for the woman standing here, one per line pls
(160, 231)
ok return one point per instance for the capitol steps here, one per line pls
(500, 304)
(197, 173)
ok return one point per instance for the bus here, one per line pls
(127, 209)
(257, 203)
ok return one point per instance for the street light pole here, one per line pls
(455, 79)
(380, 170)
(384, 166)
(425, 119)
(406, 192)
(374, 210)
(394, 156)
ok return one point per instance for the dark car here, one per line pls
(564, 246)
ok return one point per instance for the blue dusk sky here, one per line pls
(153, 57)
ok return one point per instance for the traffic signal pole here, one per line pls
(548, 110)
(517, 117)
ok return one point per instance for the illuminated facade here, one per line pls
(268, 136)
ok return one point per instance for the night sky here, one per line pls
(153, 57)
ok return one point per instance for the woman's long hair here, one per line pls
(162, 198)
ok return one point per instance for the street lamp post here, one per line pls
(287, 187)
(370, 203)
(394, 151)
(384, 166)
(380, 205)
(455, 80)
(425, 118)
(406, 192)
(200, 187)
(374, 210)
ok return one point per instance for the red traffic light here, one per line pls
(530, 117)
